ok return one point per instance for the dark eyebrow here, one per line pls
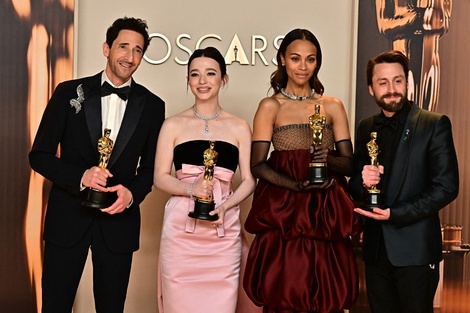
(393, 78)
(128, 44)
(209, 69)
(296, 54)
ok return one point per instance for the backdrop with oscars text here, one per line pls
(40, 37)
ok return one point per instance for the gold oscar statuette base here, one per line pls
(373, 199)
(96, 199)
(201, 210)
(317, 173)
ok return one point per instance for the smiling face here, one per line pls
(300, 61)
(205, 78)
(389, 87)
(124, 56)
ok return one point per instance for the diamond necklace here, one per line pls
(206, 118)
(294, 97)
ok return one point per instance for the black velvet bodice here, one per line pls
(191, 152)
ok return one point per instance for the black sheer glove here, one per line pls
(342, 163)
(260, 169)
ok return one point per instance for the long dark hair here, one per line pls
(279, 76)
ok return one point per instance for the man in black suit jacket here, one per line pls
(418, 174)
(74, 120)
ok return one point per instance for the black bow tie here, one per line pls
(382, 121)
(107, 89)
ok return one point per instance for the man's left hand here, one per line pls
(376, 213)
(123, 200)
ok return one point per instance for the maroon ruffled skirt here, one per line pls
(302, 257)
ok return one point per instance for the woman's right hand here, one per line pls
(319, 154)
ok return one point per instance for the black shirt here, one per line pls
(389, 131)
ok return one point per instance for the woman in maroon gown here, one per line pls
(302, 257)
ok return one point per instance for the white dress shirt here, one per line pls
(112, 109)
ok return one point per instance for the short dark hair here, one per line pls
(210, 52)
(279, 76)
(129, 23)
(390, 56)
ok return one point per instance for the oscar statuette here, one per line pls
(373, 197)
(204, 205)
(317, 172)
(93, 198)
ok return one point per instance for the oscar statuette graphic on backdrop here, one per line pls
(204, 205)
(94, 198)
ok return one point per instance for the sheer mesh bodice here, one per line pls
(299, 136)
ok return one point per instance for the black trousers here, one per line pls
(393, 289)
(63, 269)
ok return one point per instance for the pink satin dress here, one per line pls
(200, 265)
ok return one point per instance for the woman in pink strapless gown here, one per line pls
(201, 261)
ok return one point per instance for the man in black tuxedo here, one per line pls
(418, 173)
(74, 120)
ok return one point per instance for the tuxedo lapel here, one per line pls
(402, 156)
(92, 107)
(134, 108)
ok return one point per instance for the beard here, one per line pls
(393, 106)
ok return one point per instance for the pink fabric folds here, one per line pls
(222, 189)
(200, 266)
